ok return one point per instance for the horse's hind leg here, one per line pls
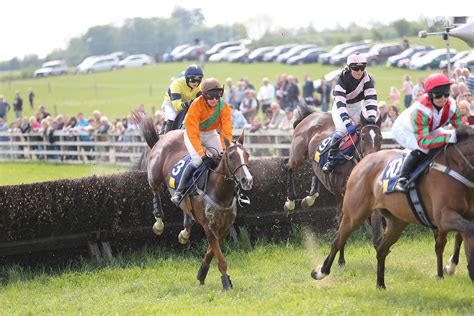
(450, 268)
(158, 227)
(308, 201)
(202, 272)
(289, 206)
(393, 231)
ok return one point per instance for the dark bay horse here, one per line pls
(215, 208)
(311, 128)
(447, 191)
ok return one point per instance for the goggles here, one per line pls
(440, 95)
(195, 79)
(213, 94)
(357, 67)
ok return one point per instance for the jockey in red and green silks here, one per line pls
(421, 126)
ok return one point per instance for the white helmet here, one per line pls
(356, 59)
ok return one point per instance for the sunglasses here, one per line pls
(213, 95)
(440, 95)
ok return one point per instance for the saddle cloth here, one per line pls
(392, 173)
(345, 151)
(199, 178)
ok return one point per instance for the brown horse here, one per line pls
(215, 208)
(311, 128)
(447, 191)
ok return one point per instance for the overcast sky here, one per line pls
(39, 26)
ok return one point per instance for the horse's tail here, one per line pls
(303, 111)
(147, 126)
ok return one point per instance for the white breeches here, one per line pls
(210, 140)
(353, 110)
(168, 110)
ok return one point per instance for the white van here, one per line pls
(51, 68)
(98, 63)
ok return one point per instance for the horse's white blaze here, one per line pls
(372, 135)
(248, 176)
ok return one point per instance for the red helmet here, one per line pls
(436, 80)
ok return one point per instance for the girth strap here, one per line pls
(452, 173)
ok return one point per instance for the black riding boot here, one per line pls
(329, 165)
(408, 166)
(178, 194)
(167, 127)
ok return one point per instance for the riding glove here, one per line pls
(207, 161)
(351, 129)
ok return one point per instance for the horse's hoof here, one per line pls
(183, 237)
(317, 274)
(158, 227)
(289, 207)
(450, 269)
(309, 200)
(226, 282)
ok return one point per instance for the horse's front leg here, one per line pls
(450, 268)
(290, 203)
(214, 242)
(309, 200)
(202, 272)
(440, 243)
(184, 235)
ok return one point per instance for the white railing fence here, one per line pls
(123, 149)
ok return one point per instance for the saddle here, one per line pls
(199, 178)
(345, 150)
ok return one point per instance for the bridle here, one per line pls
(232, 176)
(360, 142)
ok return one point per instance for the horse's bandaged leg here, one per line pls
(157, 208)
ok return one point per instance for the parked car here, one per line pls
(137, 60)
(168, 57)
(271, 56)
(444, 63)
(98, 63)
(224, 54)
(282, 58)
(306, 57)
(51, 68)
(241, 56)
(467, 61)
(326, 57)
(189, 53)
(379, 53)
(407, 53)
(405, 62)
(431, 60)
(257, 54)
(223, 45)
(340, 59)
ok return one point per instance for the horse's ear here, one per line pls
(226, 142)
(363, 120)
(241, 138)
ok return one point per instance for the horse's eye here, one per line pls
(231, 158)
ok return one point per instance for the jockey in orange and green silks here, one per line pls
(421, 126)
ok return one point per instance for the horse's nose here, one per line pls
(246, 183)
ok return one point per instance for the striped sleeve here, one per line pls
(421, 123)
(340, 99)
(370, 96)
(174, 92)
(456, 118)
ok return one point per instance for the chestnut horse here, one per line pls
(311, 128)
(447, 191)
(215, 208)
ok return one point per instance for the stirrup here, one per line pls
(328, 167)
(177, 198)
(401, 185)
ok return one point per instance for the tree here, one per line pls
(402, 27)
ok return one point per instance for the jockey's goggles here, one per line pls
(195, 79)
(357, 67)
(440, 95)
(213, 94)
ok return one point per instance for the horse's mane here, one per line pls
(303, 111)
(464, 132)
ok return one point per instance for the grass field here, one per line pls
(268, 279)
(116, 93)
(17, 173)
